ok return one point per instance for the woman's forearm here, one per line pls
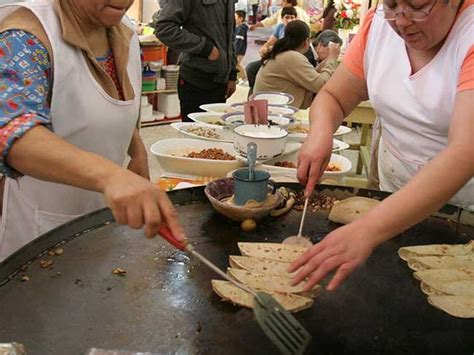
(43, 155)
(325, 114)
(429, 190)
(139, 156)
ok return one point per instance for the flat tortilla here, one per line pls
(436, 249)
(453, 288)
(435, 275)
(457, 306)
(441, 262)
(351, 209)
(270, 282)
(272, 251)
(230, 293)
(264, 266)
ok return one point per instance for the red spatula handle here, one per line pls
(166, 234)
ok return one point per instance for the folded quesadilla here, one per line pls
(351, 209)
(271, 282)
(230, 293)
(457, 306)
(441, 262)
(272, 251)
(436, 249)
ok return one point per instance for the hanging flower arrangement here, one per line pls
(347, 13)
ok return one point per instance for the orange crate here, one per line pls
(154, 54)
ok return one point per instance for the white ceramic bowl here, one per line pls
(290, 173)
(220, 108)
(208, 118)
(273, 98)
(215, 133)
(170, 155)
(272, 109)
(239, 118)
(270, 140)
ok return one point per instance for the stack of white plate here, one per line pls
(171, 75)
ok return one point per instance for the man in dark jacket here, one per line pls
(203, 32)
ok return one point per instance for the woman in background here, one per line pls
(286, 68)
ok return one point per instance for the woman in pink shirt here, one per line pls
(414, 59)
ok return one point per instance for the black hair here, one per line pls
(292, 2)
(327, 36)
(241, 13)
(290, 10)
(328, 8)
(296, 32)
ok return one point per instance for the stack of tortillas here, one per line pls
(263, 267)
(446, 272)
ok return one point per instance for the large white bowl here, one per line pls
(270, 140)
(272, 109)
(185, 128)
(220, 108)
(289, 174)
(170, 155)
(300, 137)
(239, 117)
(273, 98)
(208, 118)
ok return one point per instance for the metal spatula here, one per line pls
(279, 325)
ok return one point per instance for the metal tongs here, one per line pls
(278, 324)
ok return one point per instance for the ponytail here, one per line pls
(280, 46)
(296, 32)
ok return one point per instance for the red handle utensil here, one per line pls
(166, 234)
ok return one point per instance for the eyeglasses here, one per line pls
(414, 15)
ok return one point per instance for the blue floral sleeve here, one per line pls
(24, 84)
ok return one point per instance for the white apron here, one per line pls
(83, 114)
(414, 110)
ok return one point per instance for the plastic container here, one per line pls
(169, 105)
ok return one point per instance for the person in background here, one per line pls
(276, 18)
(240, 43)
(415, 62)
(264, 8)
(329, 22)
(203, 33)
(288, 14)
(64, 141)
(254, 4)
(286, 69)
(322, 46)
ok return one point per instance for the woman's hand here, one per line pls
(231, 87)
(214, 55)
(137, 202)
(264, 50)
(313, 159)
(343, 249)
(334, 50)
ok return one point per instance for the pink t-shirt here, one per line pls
(354, 56)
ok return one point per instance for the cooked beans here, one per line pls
(212, 153)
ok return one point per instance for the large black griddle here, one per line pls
(165, 303)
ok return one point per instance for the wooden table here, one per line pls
(363, 114)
